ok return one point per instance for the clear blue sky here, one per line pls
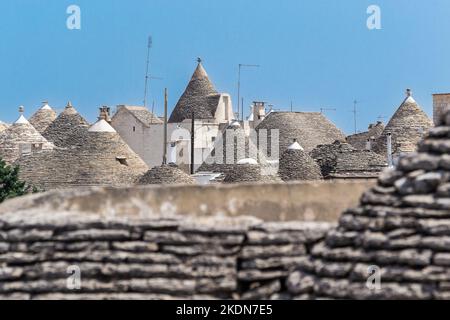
(318, 53)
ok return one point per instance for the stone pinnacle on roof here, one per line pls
(101, 126)
(295, 146)
(401, 226)
(69, 125)
(200, 98)
(42, 119)
(407, 127)
(21, 119)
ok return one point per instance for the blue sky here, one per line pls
(317, 53)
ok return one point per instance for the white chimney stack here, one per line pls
(389, 150)
(368, 145)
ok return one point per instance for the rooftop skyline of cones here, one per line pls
(99, 157)
(401, 227)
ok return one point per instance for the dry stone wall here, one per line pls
(154, 257)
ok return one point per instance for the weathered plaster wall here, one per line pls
(313, 201)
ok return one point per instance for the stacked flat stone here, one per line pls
(19, 137)
(407, 127)
(148, 257)
(296, 164)
(166, 174)
(342, 160)
(67, 129)
(402, 227)
(43, 118)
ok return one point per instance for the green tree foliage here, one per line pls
(10, 184)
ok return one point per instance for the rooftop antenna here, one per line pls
(147, 77)
(292, 107)
(381, 118)
(164, 162)
(241, 65)
(322, 110)
(355, 111)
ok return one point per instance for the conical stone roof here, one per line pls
(400, 231)
(342, 160)
(21, 137)
(244, 173)
(407, 126)
(69, 124)
(296, 164)
(309, 128)
(166, 174)
(42, 118)
(241, 147)
(3, 126)
(359, 140)
(101, 158)
(199, 97)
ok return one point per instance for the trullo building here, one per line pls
(296, 164)
(21, 138)
(407, 127)
(144, 131)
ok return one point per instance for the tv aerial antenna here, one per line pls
(148, 77)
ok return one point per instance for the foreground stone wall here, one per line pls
(308, 201)
(156, 257)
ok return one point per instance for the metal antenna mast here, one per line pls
(241, 65)
(147, 77)
(327, 109)
(355, 111)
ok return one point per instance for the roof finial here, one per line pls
(69, 104)
(199, 60)
(21, 110)
(408, 93)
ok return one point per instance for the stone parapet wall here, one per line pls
(159, 257)
(312, 201)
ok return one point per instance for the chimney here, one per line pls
(259, 112)
(368, 145)
(440, 101)
(105, 114)
(389, 150)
